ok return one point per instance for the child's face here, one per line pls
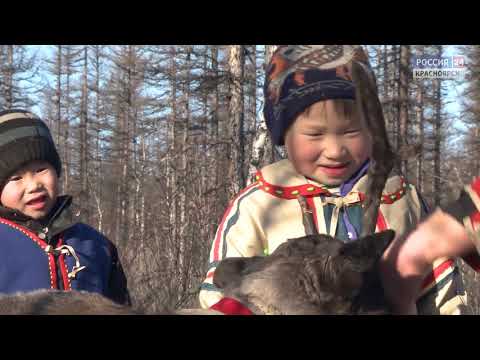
(32, 189)
(328, 144)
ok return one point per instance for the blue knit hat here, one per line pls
(300, 75)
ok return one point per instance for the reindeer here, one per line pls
(315, 274)
(56, 302)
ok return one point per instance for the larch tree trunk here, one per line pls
(236, 61)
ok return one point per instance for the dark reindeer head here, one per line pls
(315, 274)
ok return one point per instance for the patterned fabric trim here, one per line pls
(292, 192)
(437, 275)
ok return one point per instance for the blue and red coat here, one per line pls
(28, 263)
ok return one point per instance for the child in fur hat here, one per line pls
(321, 102)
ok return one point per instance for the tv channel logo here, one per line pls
(436, 67)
